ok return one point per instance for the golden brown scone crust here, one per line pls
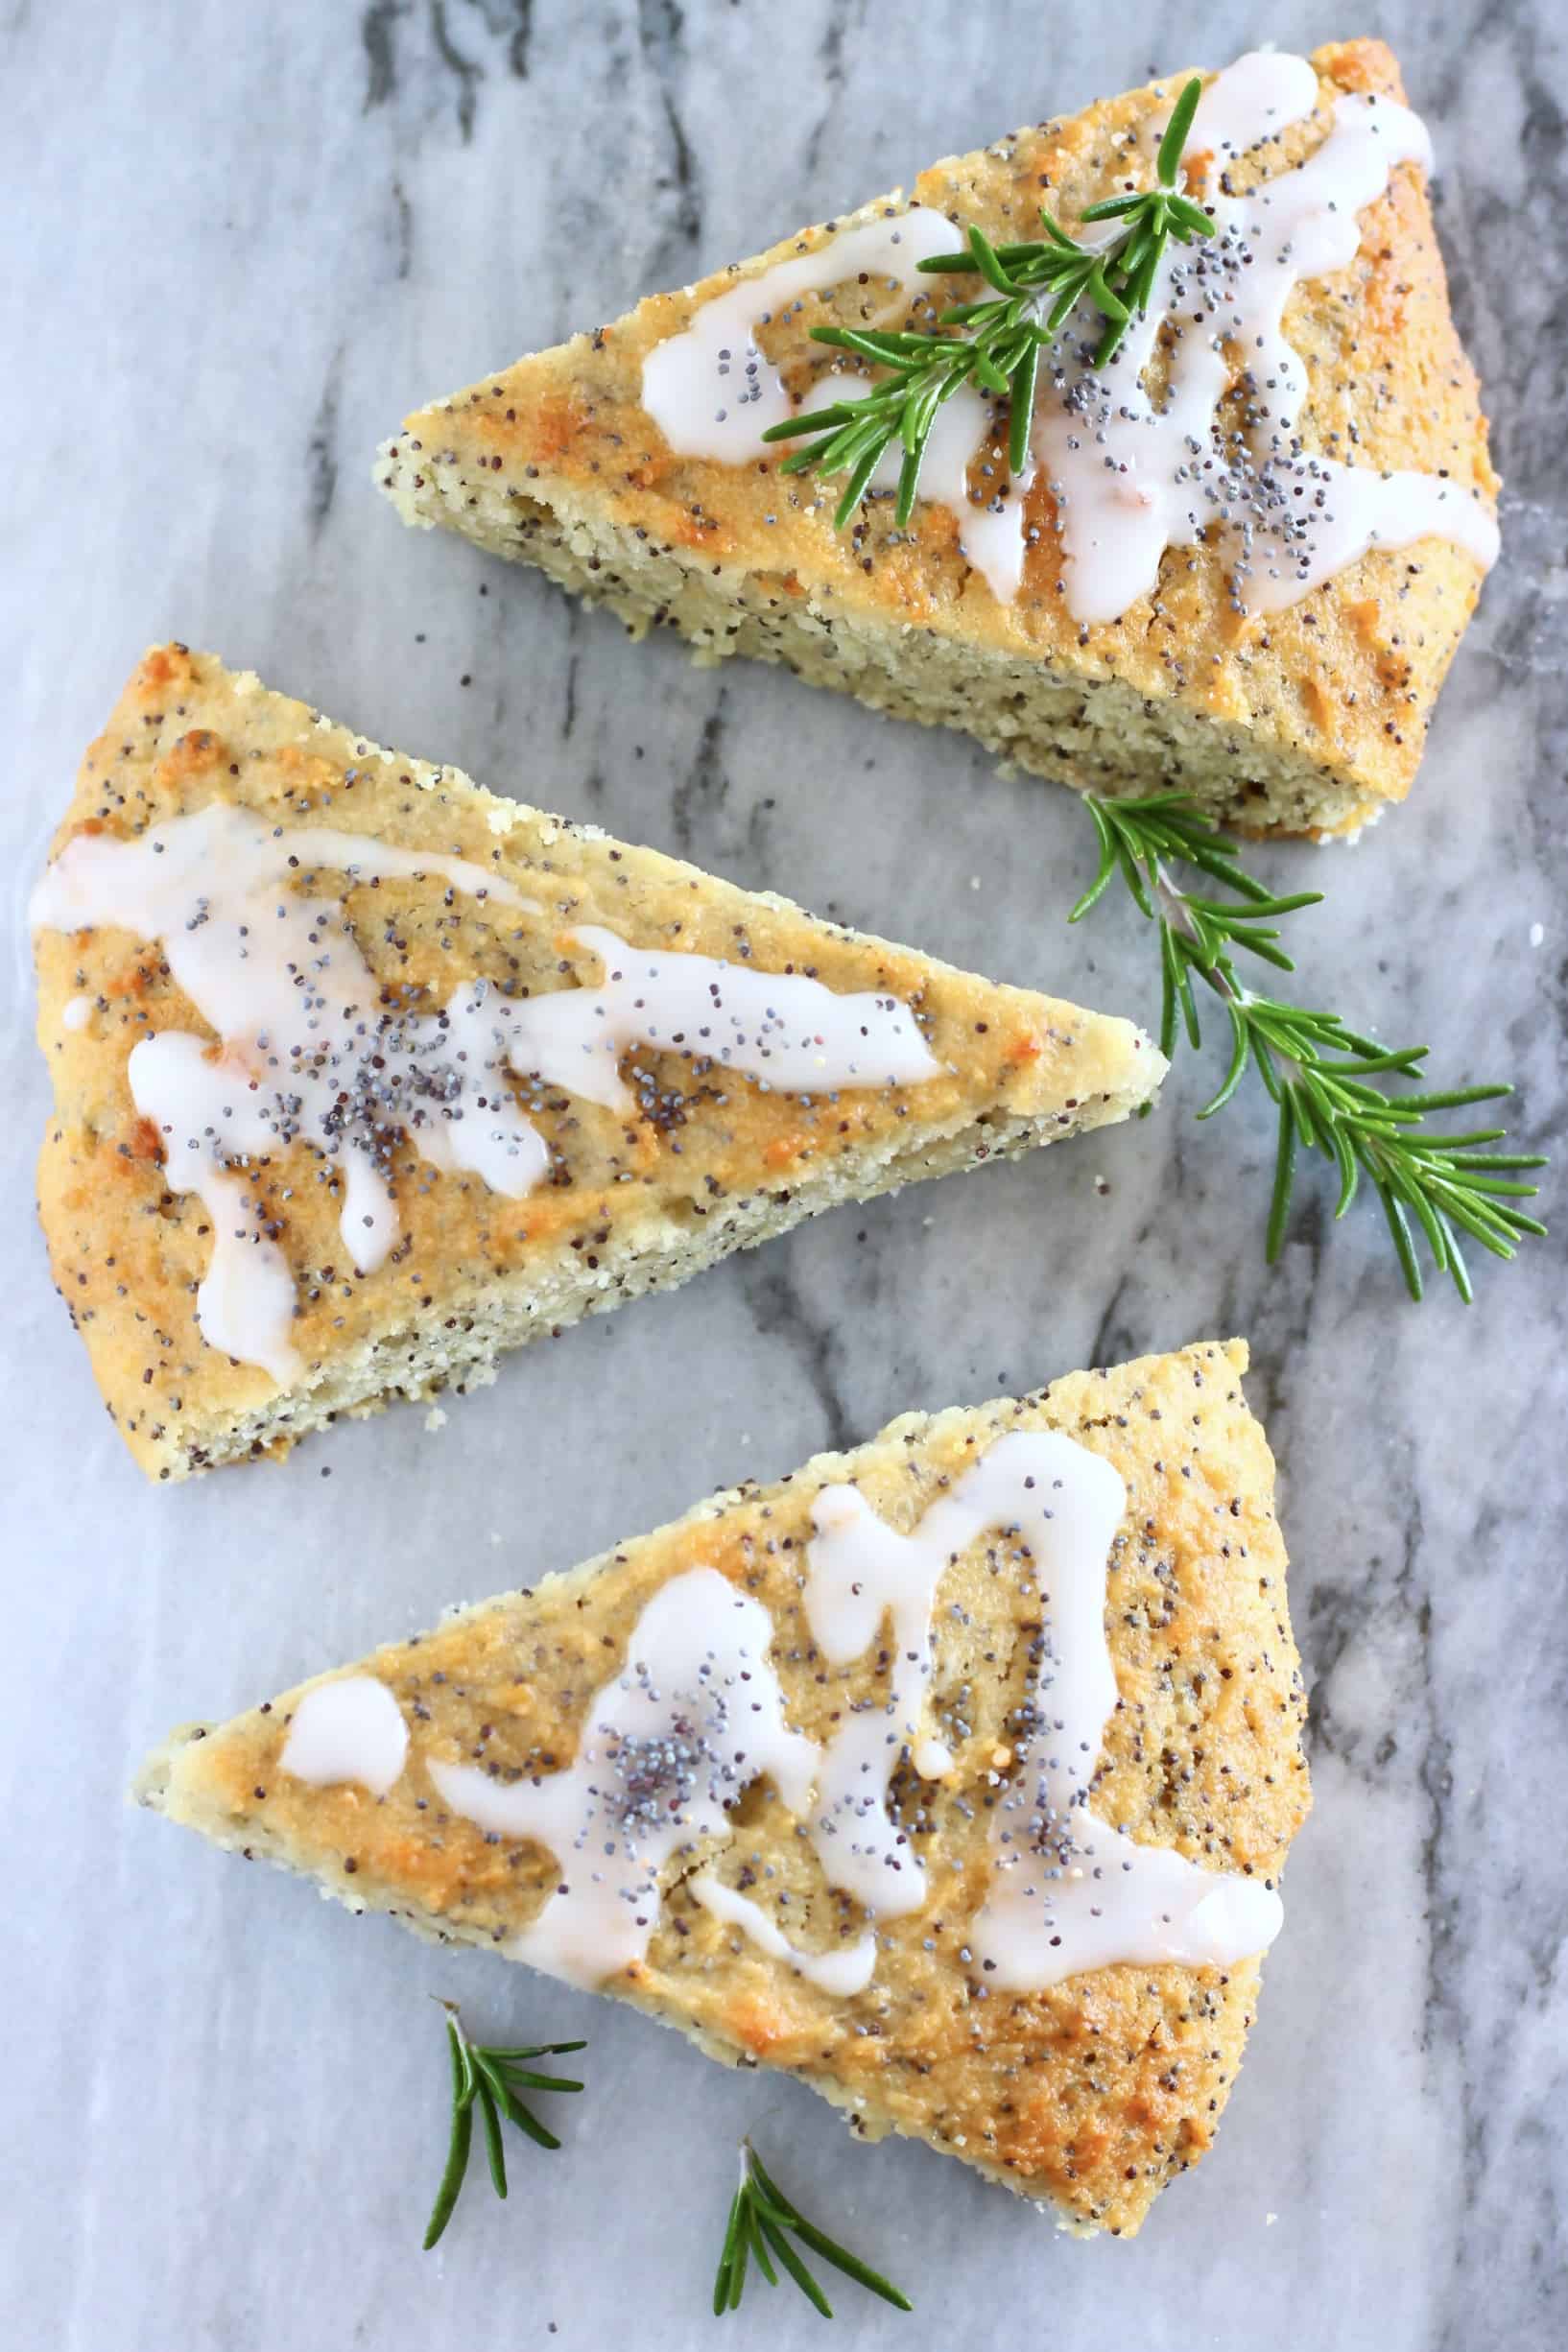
(629, 1199)
(1345, 682)
(1093, 2094)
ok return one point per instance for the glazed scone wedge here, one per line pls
(954, 1775)
(362, 1074)
(1240, 556)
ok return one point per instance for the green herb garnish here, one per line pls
(1035, 290)
(491, 2081)
(762, 2221)
(1320, 1072)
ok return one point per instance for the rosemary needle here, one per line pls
(996, 341)
(761, 2224)
(1324, 1076)
(491, 2079)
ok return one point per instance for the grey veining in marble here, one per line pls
(240, 243)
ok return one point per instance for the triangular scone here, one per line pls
(1082, 628)
(362, 1074)
(954, 1775)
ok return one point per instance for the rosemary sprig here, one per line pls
(1321, 1073)
(762, 2220)
(491, 2079)
(1035, 289)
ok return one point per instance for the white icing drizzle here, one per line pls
(713, 393)
(1258, 98)
(1130, 479)
(697, 1714)
(1114, 1903)
(1068, 1893)
(860, 1570)
(695, 1717)
(781, 1028)
(351, 1730)
(842, 1973)
(711, 389)
(309, 1052)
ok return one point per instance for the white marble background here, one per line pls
(238, 243)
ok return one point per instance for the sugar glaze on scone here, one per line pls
(363, 1073)
(1238, 558)
(954, 1775)
(1130, 478)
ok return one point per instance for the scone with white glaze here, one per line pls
(1240, 555)
(362, 1074)
(953, 1775)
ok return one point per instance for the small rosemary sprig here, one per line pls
(491, 2079)
(1034, 288)
(761, 2224)
(1321, 1073)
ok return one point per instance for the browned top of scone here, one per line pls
(129, 1252)
(1348, 677)
(1094, 2093)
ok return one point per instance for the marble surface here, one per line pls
(241, 243)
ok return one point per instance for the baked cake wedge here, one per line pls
(362, 1074)
(1237, 557)
(953, 1775)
